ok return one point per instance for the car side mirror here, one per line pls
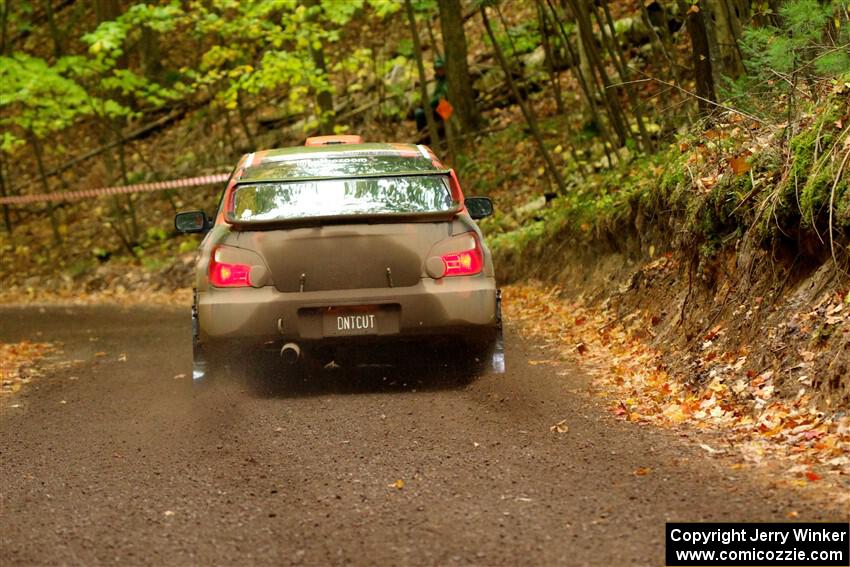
(191, 222)
(479, 207)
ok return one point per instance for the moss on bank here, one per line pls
(705, 193)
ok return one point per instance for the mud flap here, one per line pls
(200, 367)
(498, 358)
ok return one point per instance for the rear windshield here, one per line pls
(337, 166)
(289, 200)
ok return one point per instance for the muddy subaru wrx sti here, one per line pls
(338, 251)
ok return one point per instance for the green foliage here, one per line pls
(246, 49)
(187, 244)
(154, 234)
(603, 203)
(18, 14)
(265, 47)
(707, 221)
(814, 174)
(384, 8)
(116, 91)
(225, 55)
(524, 37)
(80, 267)
(9, 142)
(109, 39)
(808, 44)
(425, 6)
(37, 98)
(518, 39)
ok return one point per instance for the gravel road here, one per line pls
(124, 462)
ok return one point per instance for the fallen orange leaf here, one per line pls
(739, 164)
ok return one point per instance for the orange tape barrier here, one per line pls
(118, 190)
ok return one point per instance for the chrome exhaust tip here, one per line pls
(290, 353)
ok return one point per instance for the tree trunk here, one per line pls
(106, 10)
(516, 65)
(435, 46)
(119, 225)
(609, 38)
(229, 135)
(150, 55)
(663, 42)
(695, 23)
(39, 161)
(661, 45)
(615, 113)
(461, 94)
(4, 26)
(7, 217)
(423, 81)
(375, 50)
(529, 116)
(586, 88)
(324, 98)
(506, 28)
(554, 76)
(723, 27)
(131, 206)
(243, 121)
(55, 35)
(584, 62)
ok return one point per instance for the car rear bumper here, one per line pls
(449, 306)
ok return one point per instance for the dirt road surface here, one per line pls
(124, 462)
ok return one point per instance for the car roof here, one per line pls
(340, 160)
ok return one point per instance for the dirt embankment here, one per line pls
(774, 313)
(750, 348)
(733, 244)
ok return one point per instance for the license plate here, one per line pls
(339, 322)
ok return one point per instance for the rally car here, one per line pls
(345, 247)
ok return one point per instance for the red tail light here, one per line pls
(464, 263)
(223, 274)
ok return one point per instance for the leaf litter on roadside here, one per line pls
(111, 296)
(17, 364)
(741, 405)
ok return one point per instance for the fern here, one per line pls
(809, 44)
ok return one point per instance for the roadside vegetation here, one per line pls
(675, 172)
